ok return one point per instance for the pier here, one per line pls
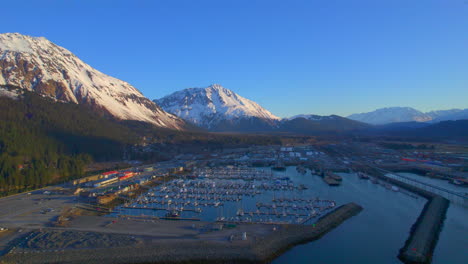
(454, 197)
(160, 209)
(426, 190)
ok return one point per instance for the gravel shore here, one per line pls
(261, 246)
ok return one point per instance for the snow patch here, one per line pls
(7, 93)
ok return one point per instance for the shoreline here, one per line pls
(256, 249)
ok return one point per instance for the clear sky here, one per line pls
(292, 57)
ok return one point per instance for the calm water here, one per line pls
(373, 236)
(380, 230)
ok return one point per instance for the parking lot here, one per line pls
(34, 209)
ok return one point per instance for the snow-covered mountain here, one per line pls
(218, 109)
(442, 113)
(36, 64)
(407, 114)
(446, 115)
(313, 117)
(391, 115)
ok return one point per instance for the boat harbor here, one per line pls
(237, 195)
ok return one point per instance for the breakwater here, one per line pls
(424, 233)
(292, 235)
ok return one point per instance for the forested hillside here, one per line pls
(43, 141)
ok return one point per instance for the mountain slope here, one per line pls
(314, 124)
(399, 126)
(446, 129)
(218, 109)
(391, 115)
(36, 64)
(43, 141)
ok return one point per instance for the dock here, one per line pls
(331, 181)
(158, 209)
(180, 218)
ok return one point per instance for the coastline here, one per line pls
(257, 249)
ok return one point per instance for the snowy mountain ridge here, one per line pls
(407, 114)
(312, 117)
(36, 64)
(210, 106)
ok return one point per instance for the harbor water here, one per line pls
(380, 230)
(373, 236)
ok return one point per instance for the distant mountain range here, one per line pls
(219, 109)
(36, 64)
(407, 114)
(444, 130)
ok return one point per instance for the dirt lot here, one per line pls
(33, 210)
(62, 239)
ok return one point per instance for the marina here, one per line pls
(238, 195)
(233, 196)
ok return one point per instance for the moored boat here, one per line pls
(334, 176)
(363, 176)
(173, 214)
(279, 166)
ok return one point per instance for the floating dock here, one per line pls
(331, 181)
(180, 218)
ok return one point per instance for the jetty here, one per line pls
(424, 234)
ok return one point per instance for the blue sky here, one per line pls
(292, 57)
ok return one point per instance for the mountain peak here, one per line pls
(16, 42)
(210, 106)
(216, 86)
